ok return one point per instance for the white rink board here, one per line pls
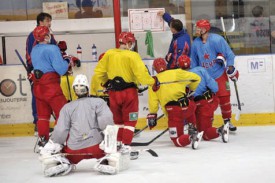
(256, 88)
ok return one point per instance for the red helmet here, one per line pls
(203, 24)
(101, 56)
(184, 62)
(126, 37)
(40, 32)
(159, 65)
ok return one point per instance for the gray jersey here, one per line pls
(82, 121)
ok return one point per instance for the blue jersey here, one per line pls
(207, 82)
(48, 58)
(205, 54)
(180, 44)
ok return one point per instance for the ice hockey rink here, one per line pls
(249, 157)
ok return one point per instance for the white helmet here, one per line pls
(81, 85)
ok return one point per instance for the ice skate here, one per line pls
(41, 141)
(232, 128)
(125, 149)
(195, 139)
(224, 132)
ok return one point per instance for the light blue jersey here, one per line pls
(207, 82)
(48, 58)
(205, 54)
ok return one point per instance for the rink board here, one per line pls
(255, 86)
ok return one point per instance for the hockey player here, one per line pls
(174, 102)
(180, 43)
(42, 19)
(81, 126)
(122, 70)
(206, 102)
(48, 66)
(212, 52)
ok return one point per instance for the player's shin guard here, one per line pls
(128, 133)
(225, 107)
(181, 141)
(210, 133)
(43, 128)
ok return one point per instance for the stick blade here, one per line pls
(152, 152)
(140, 144)
(238, 114)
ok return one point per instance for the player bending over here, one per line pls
(174, 101)
(206, 102)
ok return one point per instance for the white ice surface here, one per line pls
(249, 157)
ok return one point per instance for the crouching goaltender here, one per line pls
(85, 130)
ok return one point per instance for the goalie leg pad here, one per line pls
(56, 165)
(109, 145)
(61, 169)
(113, 163)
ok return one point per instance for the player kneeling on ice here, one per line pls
(86, 127)
(206, 102)
(171, 94)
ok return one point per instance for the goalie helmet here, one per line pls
(126, 37)
(40, 32)
(81, 85)
(184, 62)
(159, 65)
(203, 24)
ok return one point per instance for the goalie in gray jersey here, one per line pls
(82, 129)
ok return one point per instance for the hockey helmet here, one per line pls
(81, 85)
(126, 37)
(203, 24)
(184, 62)
(159, 65)
(40, 32)
(101, 56)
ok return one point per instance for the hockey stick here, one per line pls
(69, 88)
(23, 63)
(179, 81)
(148, 143)
(224, 32)
(237, 117)
(146, 126)
(21, 60)
(150, 151)
(166, 82)
(140, 90)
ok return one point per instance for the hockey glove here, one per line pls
(30, 77)
(72, 60)
(156, 85)
(142, 89)
(207, 95)
(220, 59)
(106, 86)
(232, 73)
(152, 120)
(62, 46)
(50, 148)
